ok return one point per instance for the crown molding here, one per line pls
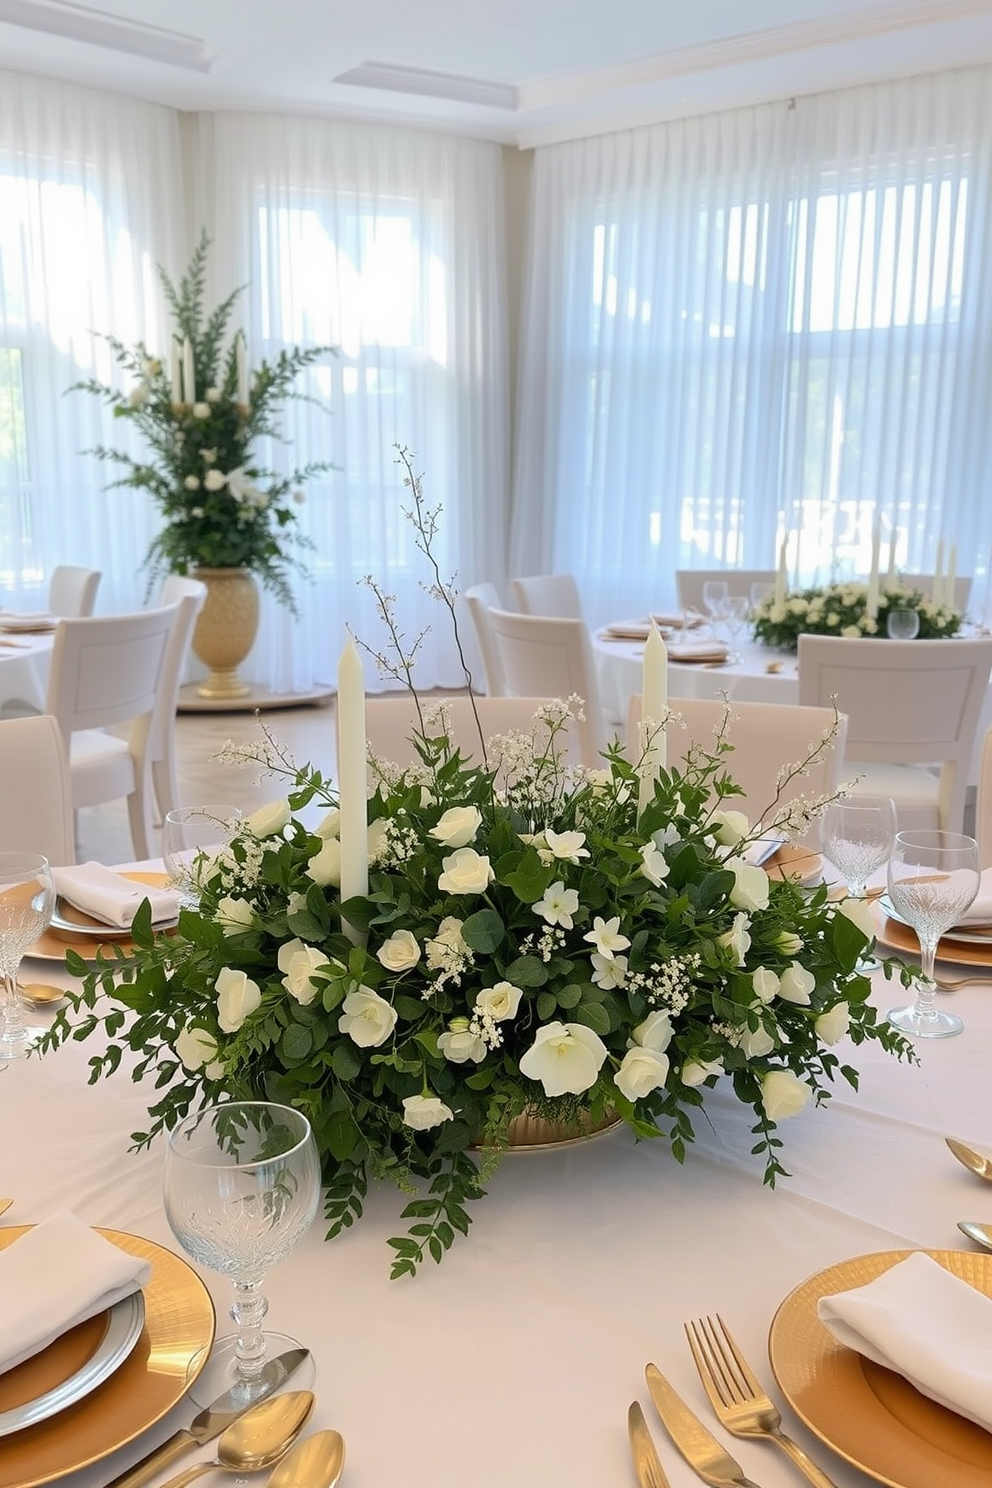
(394, 79)
(113, 32)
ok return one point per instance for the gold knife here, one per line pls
(702, 1451)
(647, 1463)
(5, 1205)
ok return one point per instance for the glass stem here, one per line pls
(248, 1312)
(858, 889)
(926, 992)
(11, 1013)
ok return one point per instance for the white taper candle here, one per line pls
(871, 603)
(352, 779)
(189, 375)
(951, 575)
(781, 575)
(937, 587)
(654, 706)
(241, 363)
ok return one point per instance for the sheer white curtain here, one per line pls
(388, 245)
(765, 324)
(90, 189)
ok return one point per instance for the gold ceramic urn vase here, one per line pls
(225, 630)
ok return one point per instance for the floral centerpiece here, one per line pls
(531, 939)
(842, 610)
(201, 417)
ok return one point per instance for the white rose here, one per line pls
(331, 824)
(201, 410)
(730, 826)
(461, 1045)
(757, 1043)
(376, 838)
(788, 943)
(465, 872)
(234, 915)
(782, 1094)
(366, 1018)
(796, 984)
(565, 1057)
(237, 998)
(833, 1025)
(698, 1070)
(399, 952)
(299, 962)
(197, 1049)
(192, 482)
(654, 864)
(269, 819)
(737, 938)
(751, 885)
(421, 1112)
(458, 826)
(765, 984)
(325, 866)
(214, 480)
(858, 911)
(654, 1033)
(500, 1002)
(642, 1071)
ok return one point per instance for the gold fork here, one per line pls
(736, 1395)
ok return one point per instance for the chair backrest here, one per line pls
(766, 738)
(72, 591)
(546, 657)
(391, 721)
(924, 582)
(907, 703)
(549, 594)
(983, 803)
(480, 599)
(689, 583)
(107, 669)
(188, 596)
(35, 793)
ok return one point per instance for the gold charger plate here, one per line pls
(873, 1418)
(795, 862)
(172, 1349)
(53, 945)
(899, 937)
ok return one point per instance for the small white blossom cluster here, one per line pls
(448, 955)
(399, 843)
(547, 944)
(667, 983)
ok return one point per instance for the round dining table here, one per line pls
(512, 1364)
(24, 666)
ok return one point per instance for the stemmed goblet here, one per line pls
(192, 837)
(716, 593)
(735, 613)
(933, 878)
(242, 1185)
(27, 901)
(858, 833)
(902, 625)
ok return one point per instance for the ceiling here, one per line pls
(522, 72)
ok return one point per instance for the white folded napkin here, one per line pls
(111, 898)
(759, 852)
(979, 912)
(927, 1325)
(57, 1275)
(10, 620)
(697, 651)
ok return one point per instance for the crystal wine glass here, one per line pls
(734, 615)
(242, 1185)
(716, 593)
(27, 902)
(902, 625)
(191, 839)
(858, 833)
(933, 878)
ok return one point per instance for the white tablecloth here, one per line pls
(513, 1363)
(24, 664)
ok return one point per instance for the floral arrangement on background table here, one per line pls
(529, 936)
(843, 610)
(201, 417)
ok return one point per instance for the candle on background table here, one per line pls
(654, 706)
(951, 575)
(352, 780)
(890, 576)
(189, 375)
(175, 376)
(781, 575)
(241, 364)
(871, 603)
(937, 587)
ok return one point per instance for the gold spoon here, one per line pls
(972, 1160)
(981, 1234)
(315, 1462)
(257, 1439)
(41, 994)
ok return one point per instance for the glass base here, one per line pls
(21, 1045)
(927, 1025)
(220, 1372)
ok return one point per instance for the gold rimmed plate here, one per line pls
(980, 935)
(896, 936)
(89, 937)
(795, 862)
(170, 1352)
(870, 1416)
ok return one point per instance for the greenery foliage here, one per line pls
(841, 610)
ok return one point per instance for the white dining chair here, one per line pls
(547, 657)
(479, 600)
(924, 583)
(556, 595)
(392, 720)
(106, 672)
(689, 583)
(35, 791)
(72, 591)
(911, 705)
(189, 597)
(766, 738)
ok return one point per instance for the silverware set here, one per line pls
(981, 1166)
(740, 1404)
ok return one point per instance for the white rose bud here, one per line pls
(730, 827)
(796, 984)
(783, 1095)
(787, 943)
(270, 819)
(833, 1025)
(234, 915)
(500, 1002)
(765, 984)
(458, 826)
(325, 866)
(421, 1112)
(459, 1044)
(237, 998)
(655, 1032)
(695, 1071)
(465, 872)
(751, 885)
(399, 952)
(757, 1043)
(858, 911)
(737, 938)
(366, 1018)
(642, 1071)
(330, 826)
(197, 1049)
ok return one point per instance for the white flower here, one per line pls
(558, 905)
(299, 497)
(399, 952)
(269, 819)
(201, 410)
(366, 1018)
(751, 885)
(458, 826)
(192, 482)
(138, 396)
(330, 826)
(765, 984)
(565, 1057)
(237, 998)
(654, 1033)
(299, 962)
(197, 1049)
(783, 1094)
(796, 984)
(325, 866)
(642, 1071)
(208, 456)
(605, 936)
(698, 1070)
(234, 915)
(241, 486)
(737, 937)
(756, 1043)
(421, 1112)
(377, 838)
(731, 827)
(654, 864)
(500, 1002)
(833, 1025)
(465, 872)
(567, 846)
(609, 971)
(788, 943)
(858, 911)
(214, 480)
(212, 395)
(459, 1044)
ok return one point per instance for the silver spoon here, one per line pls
(980, 1233)
(969, 1158)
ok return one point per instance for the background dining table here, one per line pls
(24, 667)
(515, 1360)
